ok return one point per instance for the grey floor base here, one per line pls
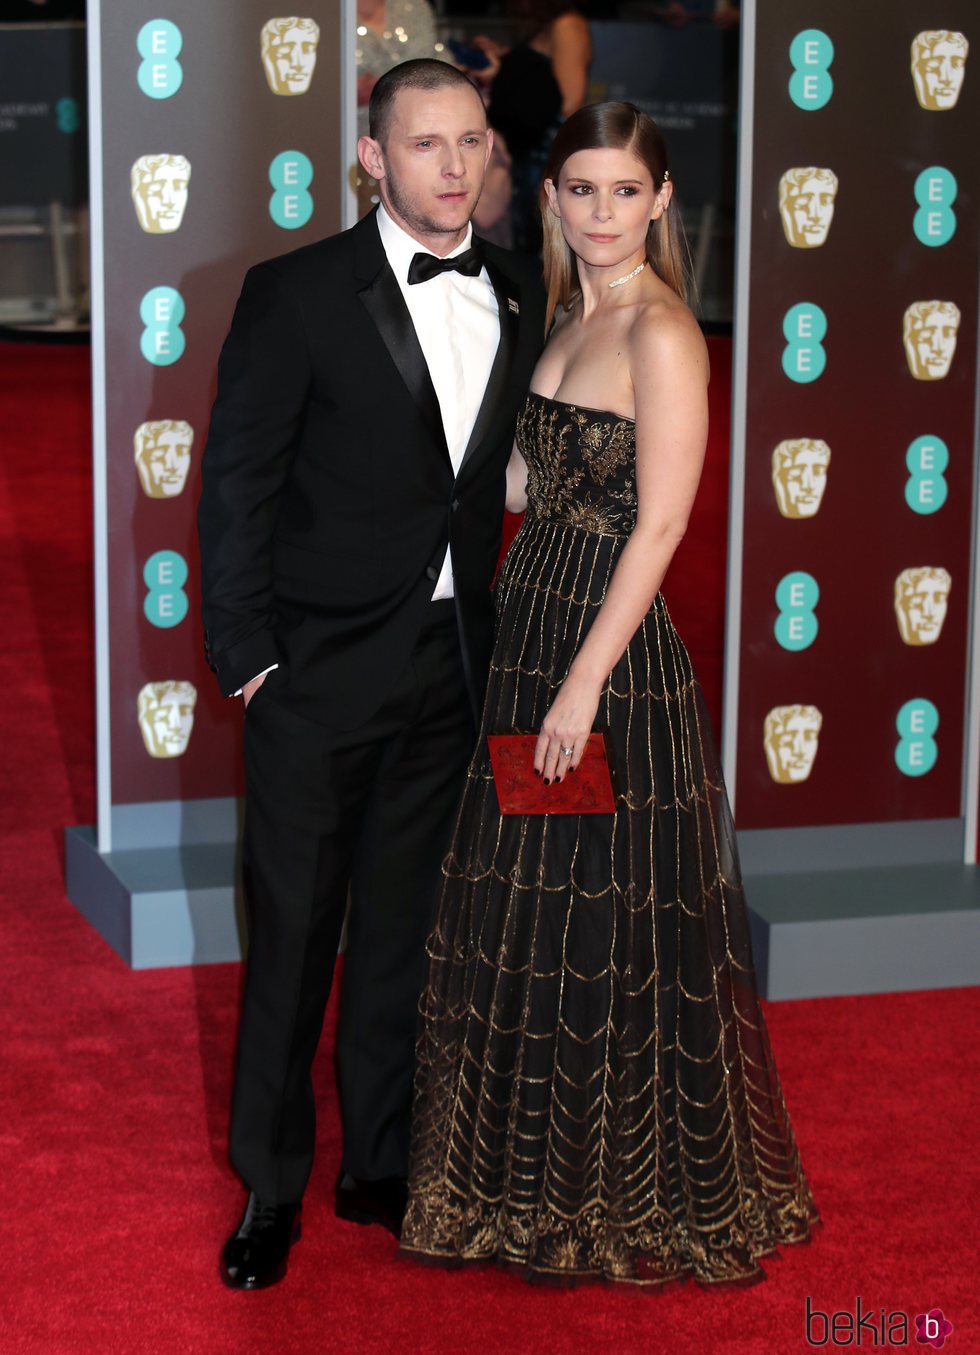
(814, 934)
(888, 929)
(159, 906)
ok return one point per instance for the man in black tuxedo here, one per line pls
(350, 519)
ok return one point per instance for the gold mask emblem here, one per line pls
(921, 600)
(166, 716)
(162, 451)
(159, 185)
(289, 54)
(791, 735)
(929, 331)
(938, 67)
(806, 205)
(799, 476)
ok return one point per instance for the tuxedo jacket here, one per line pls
(328, 496)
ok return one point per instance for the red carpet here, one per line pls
(115, 1085)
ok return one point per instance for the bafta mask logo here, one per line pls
(921, 600)
(162, 449)
(159, 186)
(791, 735)
(806, 205)
(799, 476)
(166, 716)
(938, 67)
(289, 54)
(929, 332)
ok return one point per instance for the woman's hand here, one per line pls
(568, 724)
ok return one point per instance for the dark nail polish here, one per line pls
(547, 781)
(557, 780)
(536, 772)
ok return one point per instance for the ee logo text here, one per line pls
(160, 74)
(165, 574)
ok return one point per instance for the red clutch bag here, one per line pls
(587, 790)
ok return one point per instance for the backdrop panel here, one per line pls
(859, 333)
(852, 556)
(216, 142)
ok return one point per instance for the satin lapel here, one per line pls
(508, 295)
(385, 304)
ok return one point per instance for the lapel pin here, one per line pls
(512, 306)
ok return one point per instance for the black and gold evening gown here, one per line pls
(595, 1093)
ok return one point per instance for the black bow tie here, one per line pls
(426, 266)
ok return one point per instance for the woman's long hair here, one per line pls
(614, 126)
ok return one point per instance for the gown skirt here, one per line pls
(595, 1093)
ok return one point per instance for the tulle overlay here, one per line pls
(595, 1092)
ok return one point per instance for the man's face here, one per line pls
(921, 603)
(293, 57)
(809, 211)
(168, 719)
(163, 458)
(800, 477)
(932, 343)
(161, 196)
(791, 743)
(432, 163)
(938, 74)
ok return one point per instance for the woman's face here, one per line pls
(605, 200)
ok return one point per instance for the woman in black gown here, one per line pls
(595, 1091)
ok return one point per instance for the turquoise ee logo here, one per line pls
(916, 751)
(66, 112)
(935, 192)
(291, 174)
(165, 574)
(811, 84)
(804, 328)
(162, 341)
(160, 74)
(926, 489)
(796, 596)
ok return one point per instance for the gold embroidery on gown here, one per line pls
(595, 1092)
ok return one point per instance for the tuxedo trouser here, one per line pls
(369, 811)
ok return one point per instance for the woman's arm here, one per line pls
(668, 366)
(516, 495)
(571, 52)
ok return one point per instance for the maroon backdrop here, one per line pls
(876, 138)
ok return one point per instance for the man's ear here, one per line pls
(370, 155)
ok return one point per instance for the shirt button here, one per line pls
(432, 573)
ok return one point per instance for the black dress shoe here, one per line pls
(381, 1202)
(258, 1253)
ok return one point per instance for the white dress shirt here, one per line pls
(458, 329)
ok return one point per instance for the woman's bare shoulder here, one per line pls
(665, 332)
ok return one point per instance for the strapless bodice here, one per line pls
(581, 465)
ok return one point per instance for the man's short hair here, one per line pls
(424, 73)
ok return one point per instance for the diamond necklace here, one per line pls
(618, 282)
